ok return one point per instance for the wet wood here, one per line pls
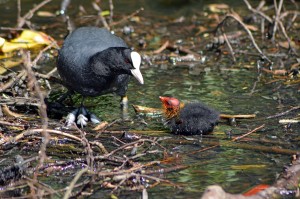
(227, 116)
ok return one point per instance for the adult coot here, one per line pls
(93, 62)
(189, 119)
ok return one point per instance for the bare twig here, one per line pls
(19, 10)
(100, 145)
(12, 81)
(33, 84)
(129, 144)
(127, 17)
(124, 171)
(11, 124)
(29, 14)
(73, 182)
(20, 101)
(36, 59)
(284, 113)
(285, 14)
(111, 14)
(248, 32)
(42, 186)
(258, 12)
(287, 38)
(277, 15)
(103, 20)
(88, 149)
(246, 134)
(107, 126)
(233, 140)
(229, 46)
(162, 48)
(34, 131)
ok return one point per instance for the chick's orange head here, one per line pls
(171, 106)
(170, 102)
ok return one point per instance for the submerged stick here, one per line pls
(246, 134)
(239, 116)
(284, 113)
(248, 146)
(73, 182)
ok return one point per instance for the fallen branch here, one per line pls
(247, 31)
(246, 134)
(73, 183)
(29, 14)
(239, 116)
(284, 113)
(127, 17)
(34, 131)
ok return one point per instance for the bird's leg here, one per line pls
(81, 116)
(71, 117)
(93, 118)
(124, 107)
(85, 116)
(77, 116)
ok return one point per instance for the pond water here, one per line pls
(230, 88)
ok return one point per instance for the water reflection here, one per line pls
(228, 88)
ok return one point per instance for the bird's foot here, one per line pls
(124, 108)
(81, 116)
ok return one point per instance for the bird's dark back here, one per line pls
(84, 42)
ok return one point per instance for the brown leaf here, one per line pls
(217, 8)
(146, 110)
(100, 126)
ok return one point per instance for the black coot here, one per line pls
(93, 62)
(189, 119)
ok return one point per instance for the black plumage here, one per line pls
(189, 119)
(93, 62)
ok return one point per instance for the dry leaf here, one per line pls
(256, 189)
(27, 39)
(146, 110)
(217, 8)
(45, 14)
(100, 126)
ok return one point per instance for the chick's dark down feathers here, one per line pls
(193, 119)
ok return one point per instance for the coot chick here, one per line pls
(93, 62)
(189, 119)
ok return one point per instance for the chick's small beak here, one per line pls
(164, 100)
(136, 61)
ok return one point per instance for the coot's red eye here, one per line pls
(127, 61)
